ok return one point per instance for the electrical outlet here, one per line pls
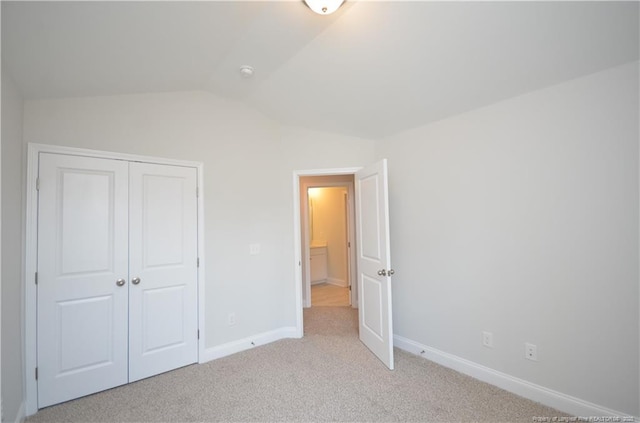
(231, 319)
(254, 249)
(487, 339)
(530, 352)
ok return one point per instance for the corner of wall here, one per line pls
(247, 343)
(12, 251)
(21, 416)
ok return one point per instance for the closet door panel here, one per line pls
(163, 269)
(82, 252)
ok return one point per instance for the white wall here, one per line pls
(248, 171)
(12, 187)
(521, 219)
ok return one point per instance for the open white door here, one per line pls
(374, 261)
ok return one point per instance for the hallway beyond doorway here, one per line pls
(325, 294)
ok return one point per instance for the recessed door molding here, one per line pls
(31, 249)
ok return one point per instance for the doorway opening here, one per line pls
(302, 182)
(371, 294)
(327, 235)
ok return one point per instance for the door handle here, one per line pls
(120, 282)
(135, 281)
(391, 272)
(382, 272)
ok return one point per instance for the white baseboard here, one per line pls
(566, 403)
(21, 416)
(248, 343)
(337, 282)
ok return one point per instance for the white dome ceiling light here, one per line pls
(324, 7)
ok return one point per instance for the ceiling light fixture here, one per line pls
(324, 7)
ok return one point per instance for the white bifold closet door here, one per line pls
(117, 273)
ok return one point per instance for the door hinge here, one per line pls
(349, 287)
(36, 373)
(198, 262)
(348, 244)
(37, 184)
(36, 278)
(198, 333)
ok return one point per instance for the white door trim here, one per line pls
(297, 241)
(31, 249)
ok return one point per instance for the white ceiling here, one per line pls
(372, 69)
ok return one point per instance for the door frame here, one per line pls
(297, 234)
(31, 251)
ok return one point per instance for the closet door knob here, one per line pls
(120, 282)
(135, 281)
(382, 272)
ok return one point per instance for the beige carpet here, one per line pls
(326, 376)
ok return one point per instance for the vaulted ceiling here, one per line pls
(372, 69)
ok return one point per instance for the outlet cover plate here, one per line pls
(530, 351)
(487, 339)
